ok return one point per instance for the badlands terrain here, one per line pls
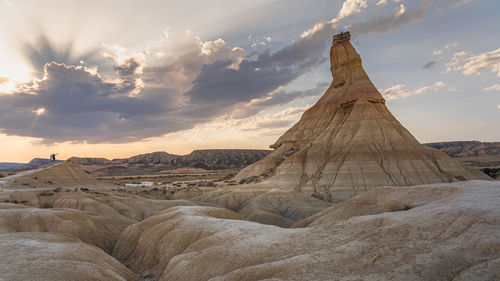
(78, 231)
(347, 194)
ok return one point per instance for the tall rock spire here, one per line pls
(349, 142)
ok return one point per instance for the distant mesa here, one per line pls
(349, 142)
(467, 149)
(162, 162)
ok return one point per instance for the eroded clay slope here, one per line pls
(56, 257)
(430, 232)
(265, 204)
(96, 230)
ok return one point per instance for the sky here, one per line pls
(118, 78)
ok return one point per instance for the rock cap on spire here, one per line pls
(342, 37)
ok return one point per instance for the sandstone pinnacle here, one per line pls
(349, 142)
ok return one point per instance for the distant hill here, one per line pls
(480, 155)
(463, 149)
(207, 159)
(220, 159)
(89, 161)
(7, 166)
(37, 162)
(159, 157)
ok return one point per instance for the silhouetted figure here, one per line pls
(53, 157)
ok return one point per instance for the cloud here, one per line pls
(474, 64)
(80, 105)
(275, 98)
(128, 68)
(260, 43)
(4, 80)
(351, 7)
(446, 47)
(460, 3)
(400, 16)
(273, 124)
(280, 120)
(176, 83)
(384, 2)
(495, 87)
(429, 65)
(498, 106)
(400, 91)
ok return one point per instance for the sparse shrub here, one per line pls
(46, 205)
(25, 183)
(50, 182)
(58, 189)
(317, 196)
(46, 193)
(84, 189)
(395, 207)
(492, 172)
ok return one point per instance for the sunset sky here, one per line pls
(118, 78)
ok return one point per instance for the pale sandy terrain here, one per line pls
(428, 232)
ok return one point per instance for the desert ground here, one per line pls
(72, 229)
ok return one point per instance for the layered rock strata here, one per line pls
(349, 142)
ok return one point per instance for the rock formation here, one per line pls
(349, 142)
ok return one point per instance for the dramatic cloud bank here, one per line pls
(174, 84)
